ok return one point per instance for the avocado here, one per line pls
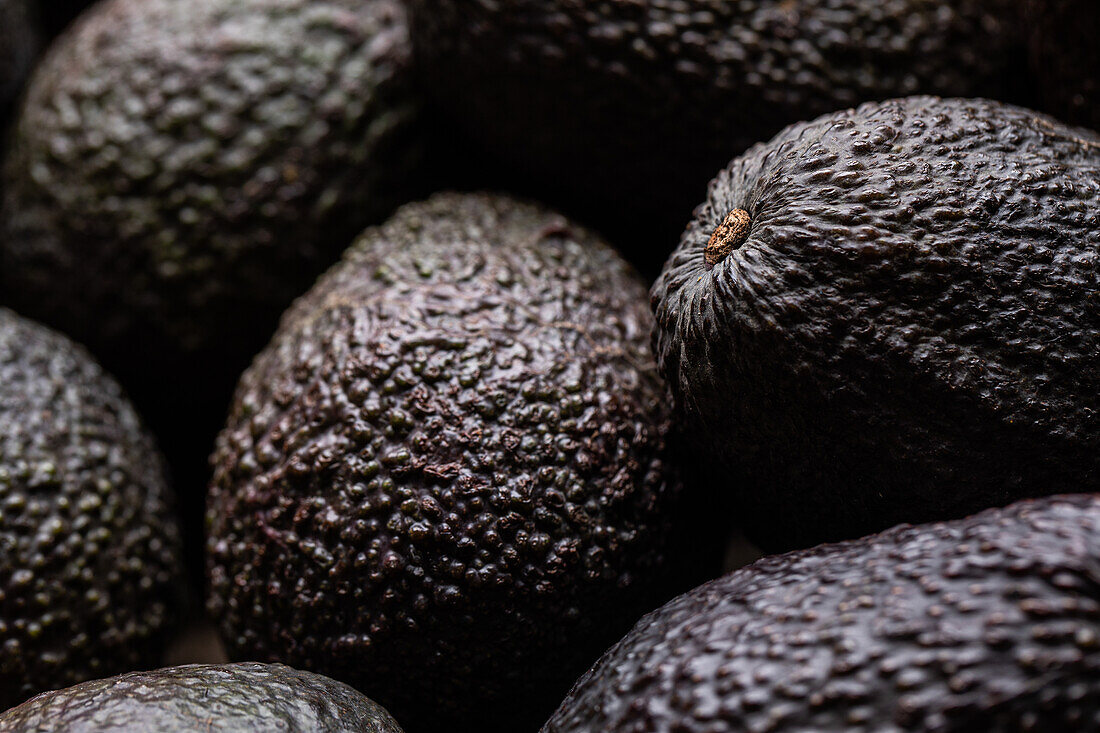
(632, 106)
(18, 47)
(181, 171)
(446, 480)
(197, 698)
(889, 315)
(89, 549)
(987, 623)
(1064, 57)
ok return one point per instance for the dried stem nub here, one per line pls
(730, 234)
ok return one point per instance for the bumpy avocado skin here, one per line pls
(636, 104)
(1062, 37)
(228, 698)
(988, 623)
(909, 331)
(18, 45)
(444, 481)
(89, 552)
(181, 171)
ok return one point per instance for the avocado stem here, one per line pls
(730, 234)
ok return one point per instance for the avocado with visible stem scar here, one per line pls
(626, 108)
(446, 480)
(890, 314)
(988, 623)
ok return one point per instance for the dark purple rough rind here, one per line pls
(226, 698)
(989, 623)
(636, 103)
(910, 331)
(444, 481)
(90, 577)
(181, 171)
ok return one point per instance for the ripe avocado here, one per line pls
(1065, 57)
(181, 171)
(445, 479)
(18, 45)
(988, 623)
(634, 105)
(889, 315)
(227, 698)
(89, 551)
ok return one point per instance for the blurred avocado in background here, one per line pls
(179, 172)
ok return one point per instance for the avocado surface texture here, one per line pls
(198, 698)
(988, 623)
(445, 479)
(635, 103)
(89, 551)
(181, 171)
(889, 315)
(1065, 57)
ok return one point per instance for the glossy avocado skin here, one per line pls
(908, 332)
(634, 105)
(18, 46)
(451, 459)
(227, 698)
(90, 566)
(987, 623)
(1064, 57)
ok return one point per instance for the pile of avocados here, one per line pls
(575, 367)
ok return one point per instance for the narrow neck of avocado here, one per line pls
(730, 234)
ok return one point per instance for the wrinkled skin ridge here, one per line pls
(910, 330)
(217, 697)
(638, 103)
(89, 552)
(989, 623)
(180, 172)
(445, 480)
